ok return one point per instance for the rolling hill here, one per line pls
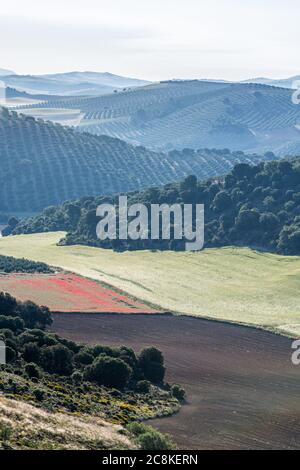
(195, 114)
(71, 84)
(252, 206)
(282, 82)
(44, 164)
(4, 72)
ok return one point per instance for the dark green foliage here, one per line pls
(57, 360)
(39, 353)
(83, 358)
(10, 354)
(149, 438)
(151, 363)
(109, 371)
(32, 370)
(28, 314)
(178, 392)
(35, 316)
(15, 324)
(8, 264)
(32, 353)
(143, 386)
(256, 206)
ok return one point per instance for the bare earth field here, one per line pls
(66, 292)
(238, 285)
(243, 391)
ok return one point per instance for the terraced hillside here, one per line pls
(44, 164)
(178, 114)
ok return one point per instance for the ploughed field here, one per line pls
(242, 390)
(234, 284)
(69, 293)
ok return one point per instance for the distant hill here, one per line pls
(106, 79)
(284, 82)
(194, 114)
(255, 206)
(4, 72)
(44, 164)
(71, 84)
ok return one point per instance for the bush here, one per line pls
(178, 392)
(10, 354)
(57, 359)
(32, 370)
(83, 358)
(5, 432)
(77, 377)
(154, 440)
(143, 386)
(39, 394)
(151, 364)
(109, 371)
(150, 439)
(32, 353)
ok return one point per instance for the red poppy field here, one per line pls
(70, 293)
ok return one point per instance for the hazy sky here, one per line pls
(153, 39)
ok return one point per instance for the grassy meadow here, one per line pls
(233, 284)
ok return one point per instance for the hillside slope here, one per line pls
(256, 206)
(25, 427)
(71, 84)
(178, 114)
(44, 164)
(232, 284)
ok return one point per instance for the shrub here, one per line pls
(32, 370)
(39, 394)
(150, 439)
(178, 392)
(83, 358)
(57, 359)
(77, 377)
(32, 353)
(143, 386)
(5, 432)
(151, 364)
(109, 371)
(10, 354)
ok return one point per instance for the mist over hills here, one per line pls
(44, 164)
(4, 72)
(195, 114)
(283, 82)
(71, 84)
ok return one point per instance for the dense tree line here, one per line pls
(256, 206)
(9, 264)
(22, 326)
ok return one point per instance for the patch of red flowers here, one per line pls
(70, 293)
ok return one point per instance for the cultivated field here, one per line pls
(233, 284)
(242, 388)
(69, 293)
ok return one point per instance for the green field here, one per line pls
(233, 284)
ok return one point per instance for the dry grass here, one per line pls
(22, 426)
(233, 284)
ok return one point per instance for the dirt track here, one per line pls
(243, 391)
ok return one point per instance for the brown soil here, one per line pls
(242, 390)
